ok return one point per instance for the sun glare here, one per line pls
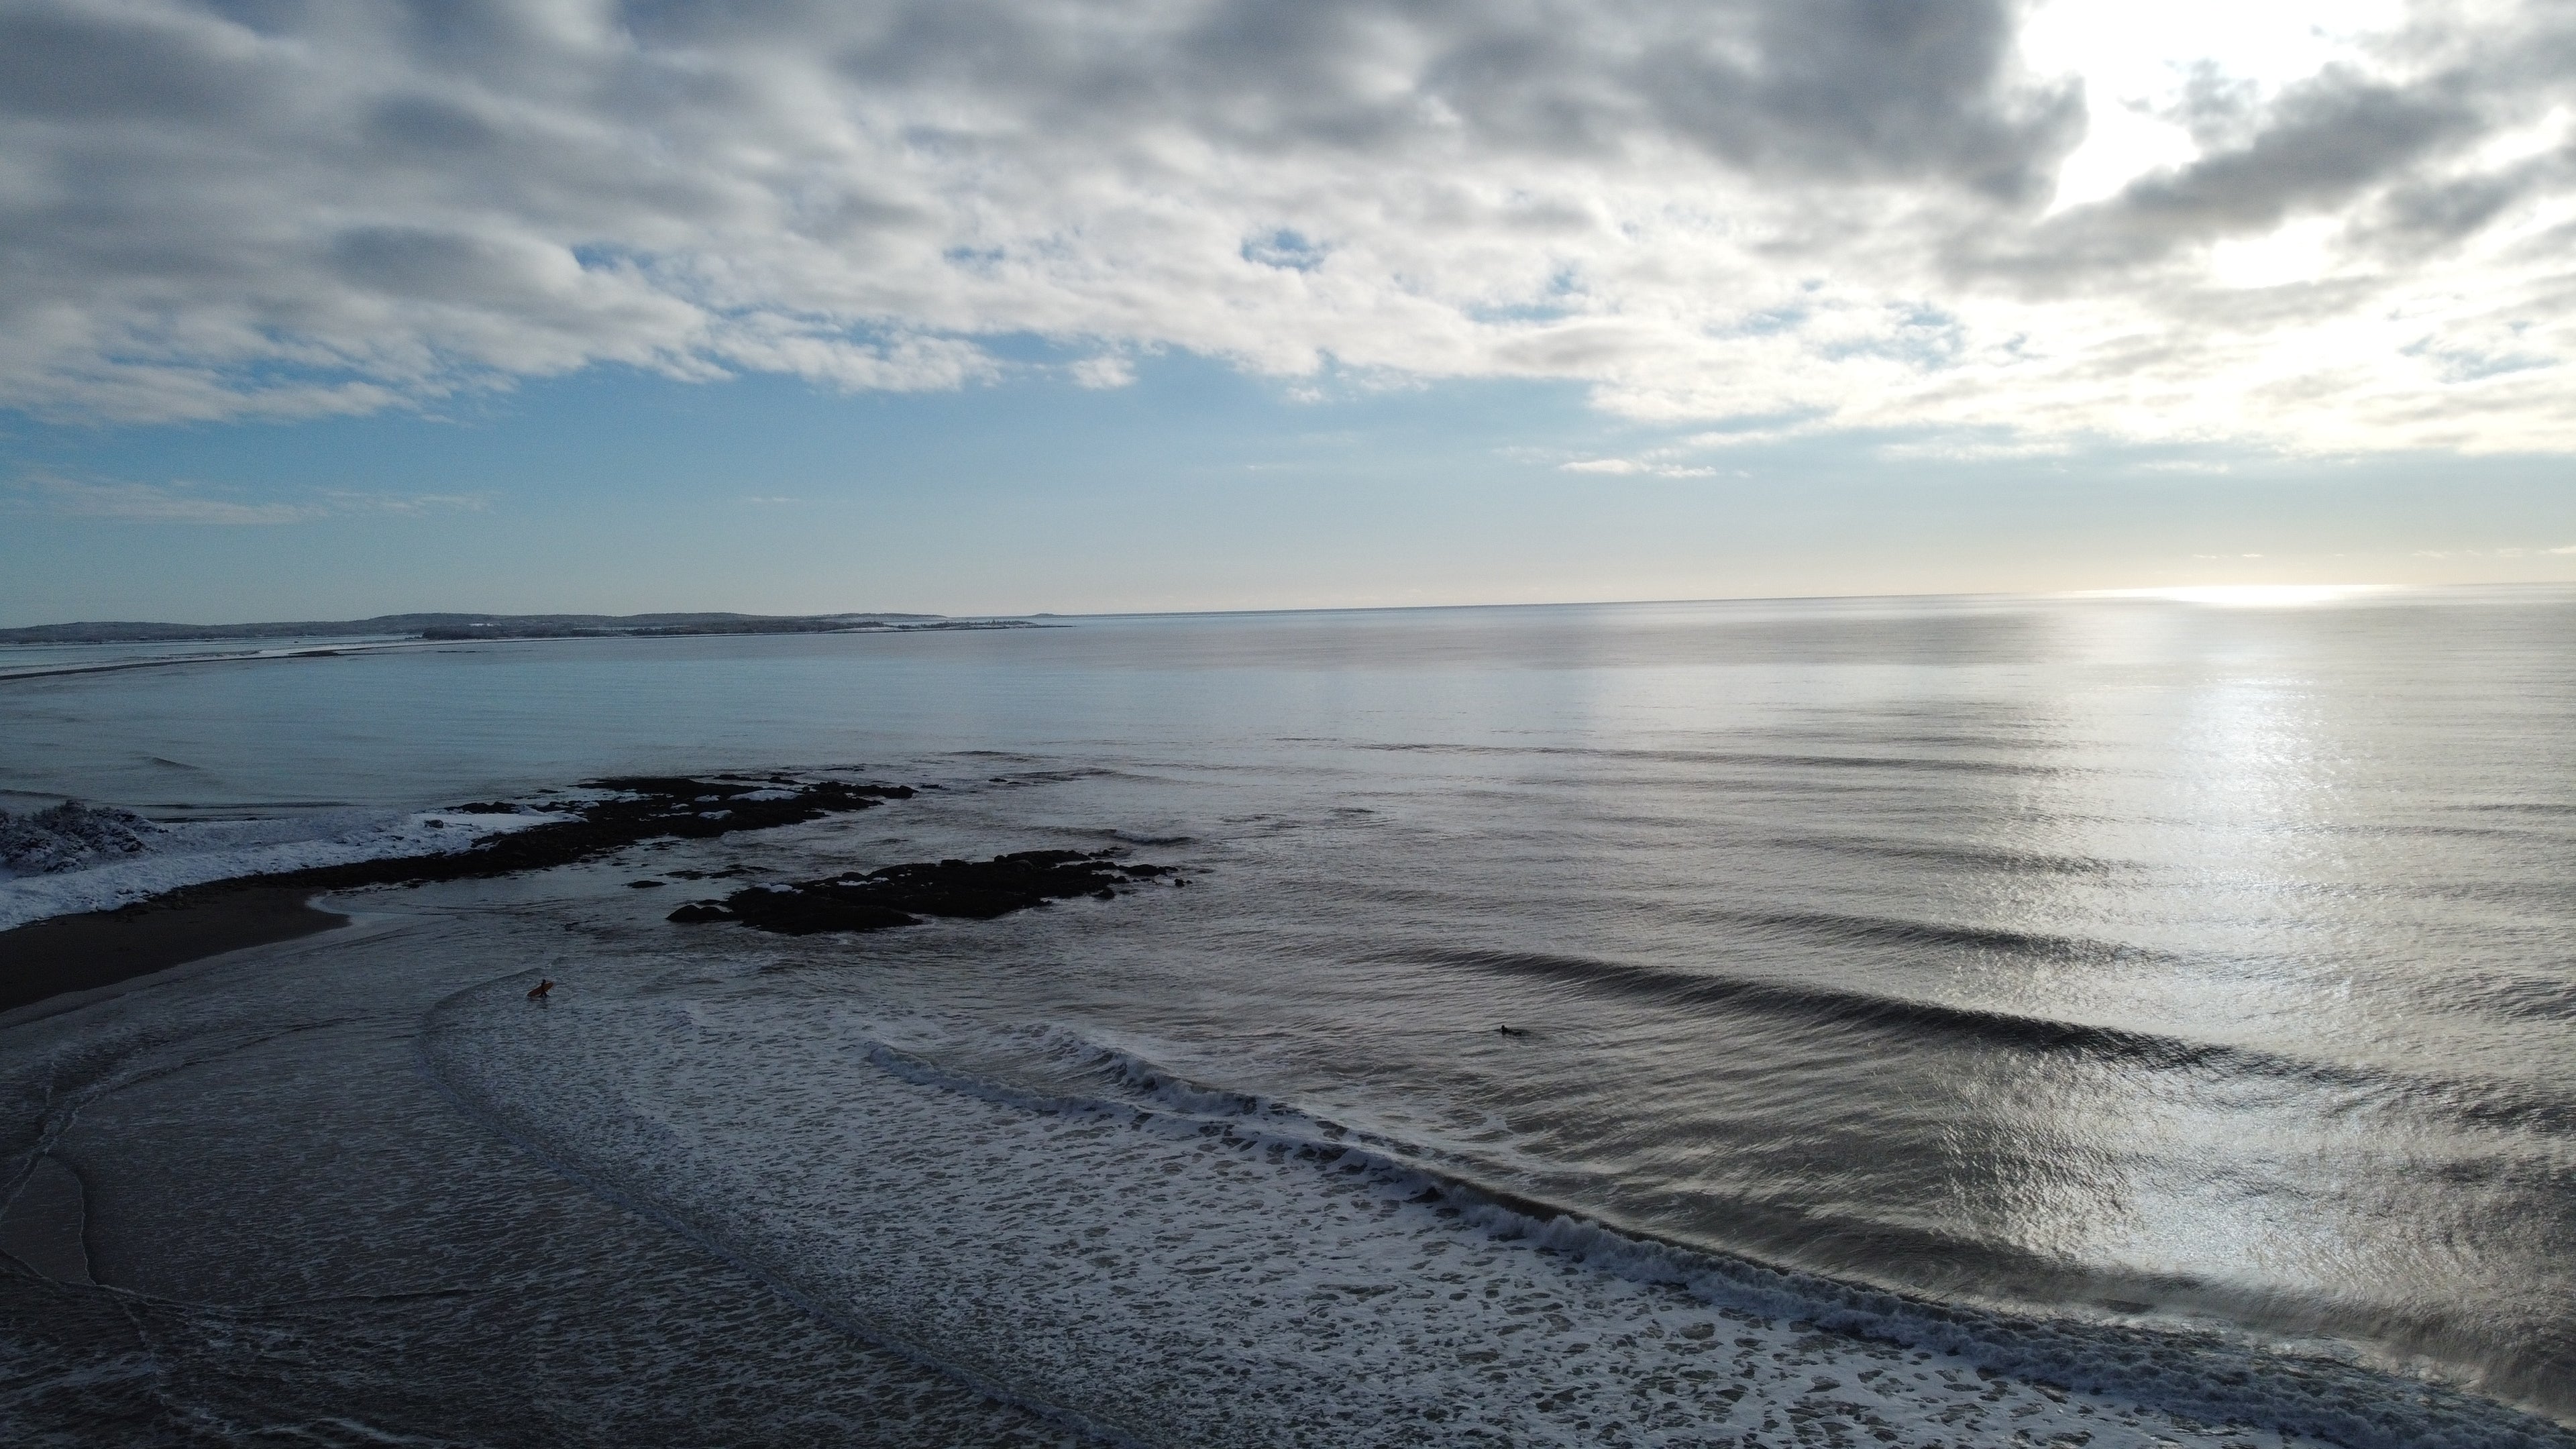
(2250, 596)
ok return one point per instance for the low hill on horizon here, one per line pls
(484, 626)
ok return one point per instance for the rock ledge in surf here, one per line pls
(643, 808)
(900, 895)
(77, 952)
(71, 836)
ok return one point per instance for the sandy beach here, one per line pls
(49, 958)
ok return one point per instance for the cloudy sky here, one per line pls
(333, 307)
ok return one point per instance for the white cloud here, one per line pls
(2514, 551)
(341, 500)
(1975, 449)
(2325, 230)
(188, 502)
(1108, 370)
(152, 503)
(1657, 468)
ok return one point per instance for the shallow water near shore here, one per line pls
(2093, 967)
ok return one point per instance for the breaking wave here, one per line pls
(1092, 1087)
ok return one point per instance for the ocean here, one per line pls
(2144, 1018)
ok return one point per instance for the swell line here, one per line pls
(1764, 759)
(2483, 1102)
(1850, 927)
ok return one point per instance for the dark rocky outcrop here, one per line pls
(71, 953)
(900, 895)
(646, 808)
(71, 836)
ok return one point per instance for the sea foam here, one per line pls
(63, 863)
(1254, 1273)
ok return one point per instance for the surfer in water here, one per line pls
(539, 991)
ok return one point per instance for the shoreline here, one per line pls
(64, 954)
(56, 955)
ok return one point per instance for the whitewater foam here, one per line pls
(1257, 1273)
(185, 853)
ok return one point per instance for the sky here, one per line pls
(315, 310)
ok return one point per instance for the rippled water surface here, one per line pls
(2139, 960)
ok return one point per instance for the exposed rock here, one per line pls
(900, 895)
(645, 808)
(76, 952)
(71, 836)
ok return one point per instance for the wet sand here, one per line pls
(100, 948)
(257, 1220)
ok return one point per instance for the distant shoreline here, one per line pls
(326, 645)
(449, 628)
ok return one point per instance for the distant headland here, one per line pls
(499, 626)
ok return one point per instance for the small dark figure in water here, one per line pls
(539, 991)
(1510, 1031)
